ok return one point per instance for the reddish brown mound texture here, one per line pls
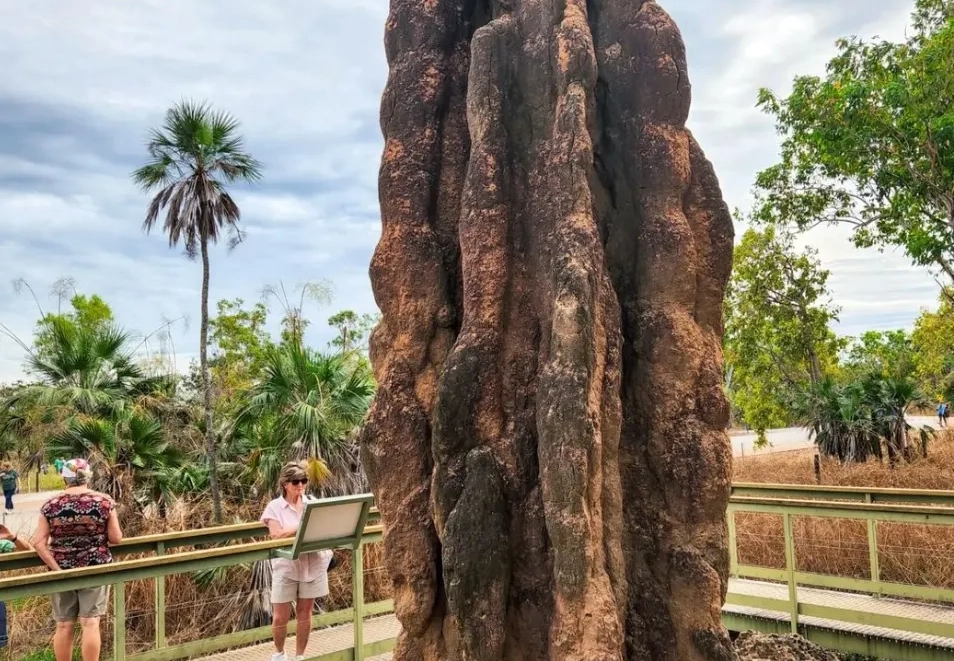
(547, 443)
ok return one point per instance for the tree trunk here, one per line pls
(814, 366)
(547, 445)
(207, 387)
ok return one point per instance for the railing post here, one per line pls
(790, 569)
(119, 622)
(357, 599)
(873, 548)
(733, 544)
(160, 602)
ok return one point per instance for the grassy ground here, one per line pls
(48, 481)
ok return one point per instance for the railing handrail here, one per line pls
(14, 587)
(167, 540)
(838, 509)
(901, 510)
(865, 494)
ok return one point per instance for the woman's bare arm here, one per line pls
(40, 540)
(113, 532)
(19, 543)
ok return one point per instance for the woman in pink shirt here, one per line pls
(293, 581)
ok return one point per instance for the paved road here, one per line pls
(794, 438)
(22, 520)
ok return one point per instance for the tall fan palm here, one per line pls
(84, 371)
(305, 407)
(130, 452)
(194, 156)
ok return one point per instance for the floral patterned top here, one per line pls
(78, 528)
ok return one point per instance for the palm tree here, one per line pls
(130, 452)
(306, 407)
(839, 419)
(891, 399)
(193, 157)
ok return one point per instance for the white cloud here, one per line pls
(84, 81)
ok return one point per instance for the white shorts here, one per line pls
(287, 590)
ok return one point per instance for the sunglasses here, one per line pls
(298, 482)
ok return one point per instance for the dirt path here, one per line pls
(22, 520)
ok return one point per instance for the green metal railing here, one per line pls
(160, 564)
(872, 506)
(246, 544)
(854, 494)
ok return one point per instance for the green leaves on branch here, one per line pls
(777, 326)
(871, 144)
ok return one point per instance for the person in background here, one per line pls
(942, 414)
(947, 412)
(76, 529)
(299, 581)
(10, 481)
(9, 542)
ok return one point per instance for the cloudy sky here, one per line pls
(82, 83)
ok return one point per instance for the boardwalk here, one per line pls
(809, 597)
(333, 639)
(382, 628)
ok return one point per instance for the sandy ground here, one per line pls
(795, 438)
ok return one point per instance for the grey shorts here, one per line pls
(86, 603)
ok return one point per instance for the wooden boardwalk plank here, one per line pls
(856, 602)
(322, 641)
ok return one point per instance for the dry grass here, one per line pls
(915, 554)
(192, 612)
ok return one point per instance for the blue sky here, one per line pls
(83, 82)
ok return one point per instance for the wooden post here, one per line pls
(160, 602)
(817, 469)
(119, 622)
(733, 545)
(790, 569)
(357, 599)
(873, 548)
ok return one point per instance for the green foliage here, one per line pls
(238, 335)
(240, 342)
(871, 144)
(306, 406)
(933, 341)
(851, 421)
(886, 353)
(353, 329)
(193, 157)
(90, 398)
(89, 313)
(777, 317)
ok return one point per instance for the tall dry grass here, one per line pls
(193, 611)
(915, 554)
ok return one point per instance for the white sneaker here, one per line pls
(278, 656)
